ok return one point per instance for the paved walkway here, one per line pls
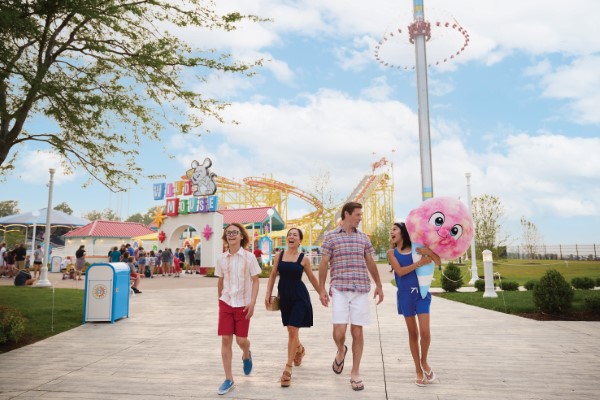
(168, 348)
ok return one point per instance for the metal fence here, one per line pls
(583, 252)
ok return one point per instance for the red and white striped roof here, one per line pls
(111, 229)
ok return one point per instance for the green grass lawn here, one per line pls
(522, 271)
(47, 311)
(514, 302)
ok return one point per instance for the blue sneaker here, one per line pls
(226, 386)
(248, 364)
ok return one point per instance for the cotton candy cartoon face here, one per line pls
(443, 224)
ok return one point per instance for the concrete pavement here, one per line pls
(169, 348)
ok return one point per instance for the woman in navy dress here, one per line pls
(294, 300)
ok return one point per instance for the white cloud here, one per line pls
(34, 165)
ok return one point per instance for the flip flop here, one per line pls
(429, 375)
(357, 385)
(340, 365)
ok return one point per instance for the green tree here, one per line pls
(9, 207)
(106, 215)
(64, 207)
(108, 73)
(487, 211)
(531, 237)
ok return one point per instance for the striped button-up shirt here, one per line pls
(236, 270)
(348, 266)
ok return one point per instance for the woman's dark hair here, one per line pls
(299, 232)
(405, 238)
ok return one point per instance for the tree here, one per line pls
(108, 73)
(380, 239)
(324, 193)
(487, 210)
(9, 207)
(531, 237)
(145, 219)
(106, 215)
(64, 207)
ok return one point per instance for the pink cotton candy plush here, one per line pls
(443, 224)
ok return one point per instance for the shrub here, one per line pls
(266, 271)
(597, 281)
(210, 272)
(553, 294)
(12, 325)
(583, 283)
(480, 285)
(592, 304)
(529, 285)
(451, 279)
(509, 286)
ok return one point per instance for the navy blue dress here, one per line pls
(294, 300)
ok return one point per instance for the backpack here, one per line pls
(147, 271)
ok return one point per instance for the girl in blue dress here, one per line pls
(294, 300)
(411, 305)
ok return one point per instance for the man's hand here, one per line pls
(378, 292)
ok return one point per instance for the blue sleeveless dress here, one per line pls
(294, 300)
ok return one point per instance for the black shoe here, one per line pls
(136, 290)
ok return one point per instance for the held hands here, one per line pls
(324, 298)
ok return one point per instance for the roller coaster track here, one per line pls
(262, 191)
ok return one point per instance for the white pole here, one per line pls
(44, 282)
(488, 270)
(35, 214)
(474, 275)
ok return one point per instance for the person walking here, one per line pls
(349, 254)
(237, 289)
(79, 261)
(411, 305)
(38, 255)
(294, 300)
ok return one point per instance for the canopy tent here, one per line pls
(57, 218)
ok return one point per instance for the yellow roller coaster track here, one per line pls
(374, 191)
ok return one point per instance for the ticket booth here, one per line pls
(106, 296)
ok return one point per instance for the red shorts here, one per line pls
(232, 320)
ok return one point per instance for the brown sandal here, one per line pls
(286, 377)
(298, 357)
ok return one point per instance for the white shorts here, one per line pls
(350, 308)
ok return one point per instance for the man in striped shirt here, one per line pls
(349, 253)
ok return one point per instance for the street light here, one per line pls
(488, 270)
(270, 213)
(44, 282)
(35, 214)
(474, 275)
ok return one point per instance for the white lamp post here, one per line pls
(270, 212)
(488, 270)
(35, 214)
(474, 275)
(44, 282)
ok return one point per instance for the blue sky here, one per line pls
(518, 109)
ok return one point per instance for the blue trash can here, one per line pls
(106, 296)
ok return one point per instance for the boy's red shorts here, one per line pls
(232, 320)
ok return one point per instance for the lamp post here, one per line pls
(44, 282)
(270, 213)
(35, 214)
(474, 275)
(488, 270)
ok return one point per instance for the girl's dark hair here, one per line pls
(405, 238)
(299, 232)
